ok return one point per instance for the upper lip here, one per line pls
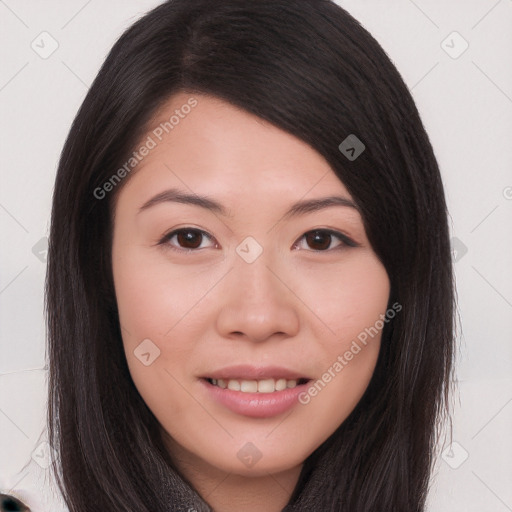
(250, 372)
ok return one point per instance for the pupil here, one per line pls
(314, 236)
(187, 237)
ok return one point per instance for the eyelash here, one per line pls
(345, 240)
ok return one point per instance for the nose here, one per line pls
(257, 302)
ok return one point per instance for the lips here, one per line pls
(258, 392)
(250, 372)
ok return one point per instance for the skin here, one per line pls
(300, 304)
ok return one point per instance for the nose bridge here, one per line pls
(256, 303)
(255, 263)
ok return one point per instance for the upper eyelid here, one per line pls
(186, 228)
(342, 237)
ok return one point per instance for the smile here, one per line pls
(254, 392)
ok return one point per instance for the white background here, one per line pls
(466, 105)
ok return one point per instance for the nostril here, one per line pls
(11, 504)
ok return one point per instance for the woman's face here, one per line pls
(220, 274)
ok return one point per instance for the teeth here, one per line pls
(255, 386)
(266, 386)
(249, 386)
(234, 385)
(282, 384)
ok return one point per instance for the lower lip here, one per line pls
(255, 405)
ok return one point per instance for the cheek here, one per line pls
(161, 318)
(347, 298)
(351, 301)
(331, 398)
(154, 295)
(141, 292)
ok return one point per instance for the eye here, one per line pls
(321, 240)
(187, 239)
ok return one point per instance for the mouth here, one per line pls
(255, 392)
(257, 386)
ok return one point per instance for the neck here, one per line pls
(230, 492)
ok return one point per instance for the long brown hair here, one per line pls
(311, 69)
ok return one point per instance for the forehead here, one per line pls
(221, 150)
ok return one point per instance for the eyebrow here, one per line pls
(299, 208)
